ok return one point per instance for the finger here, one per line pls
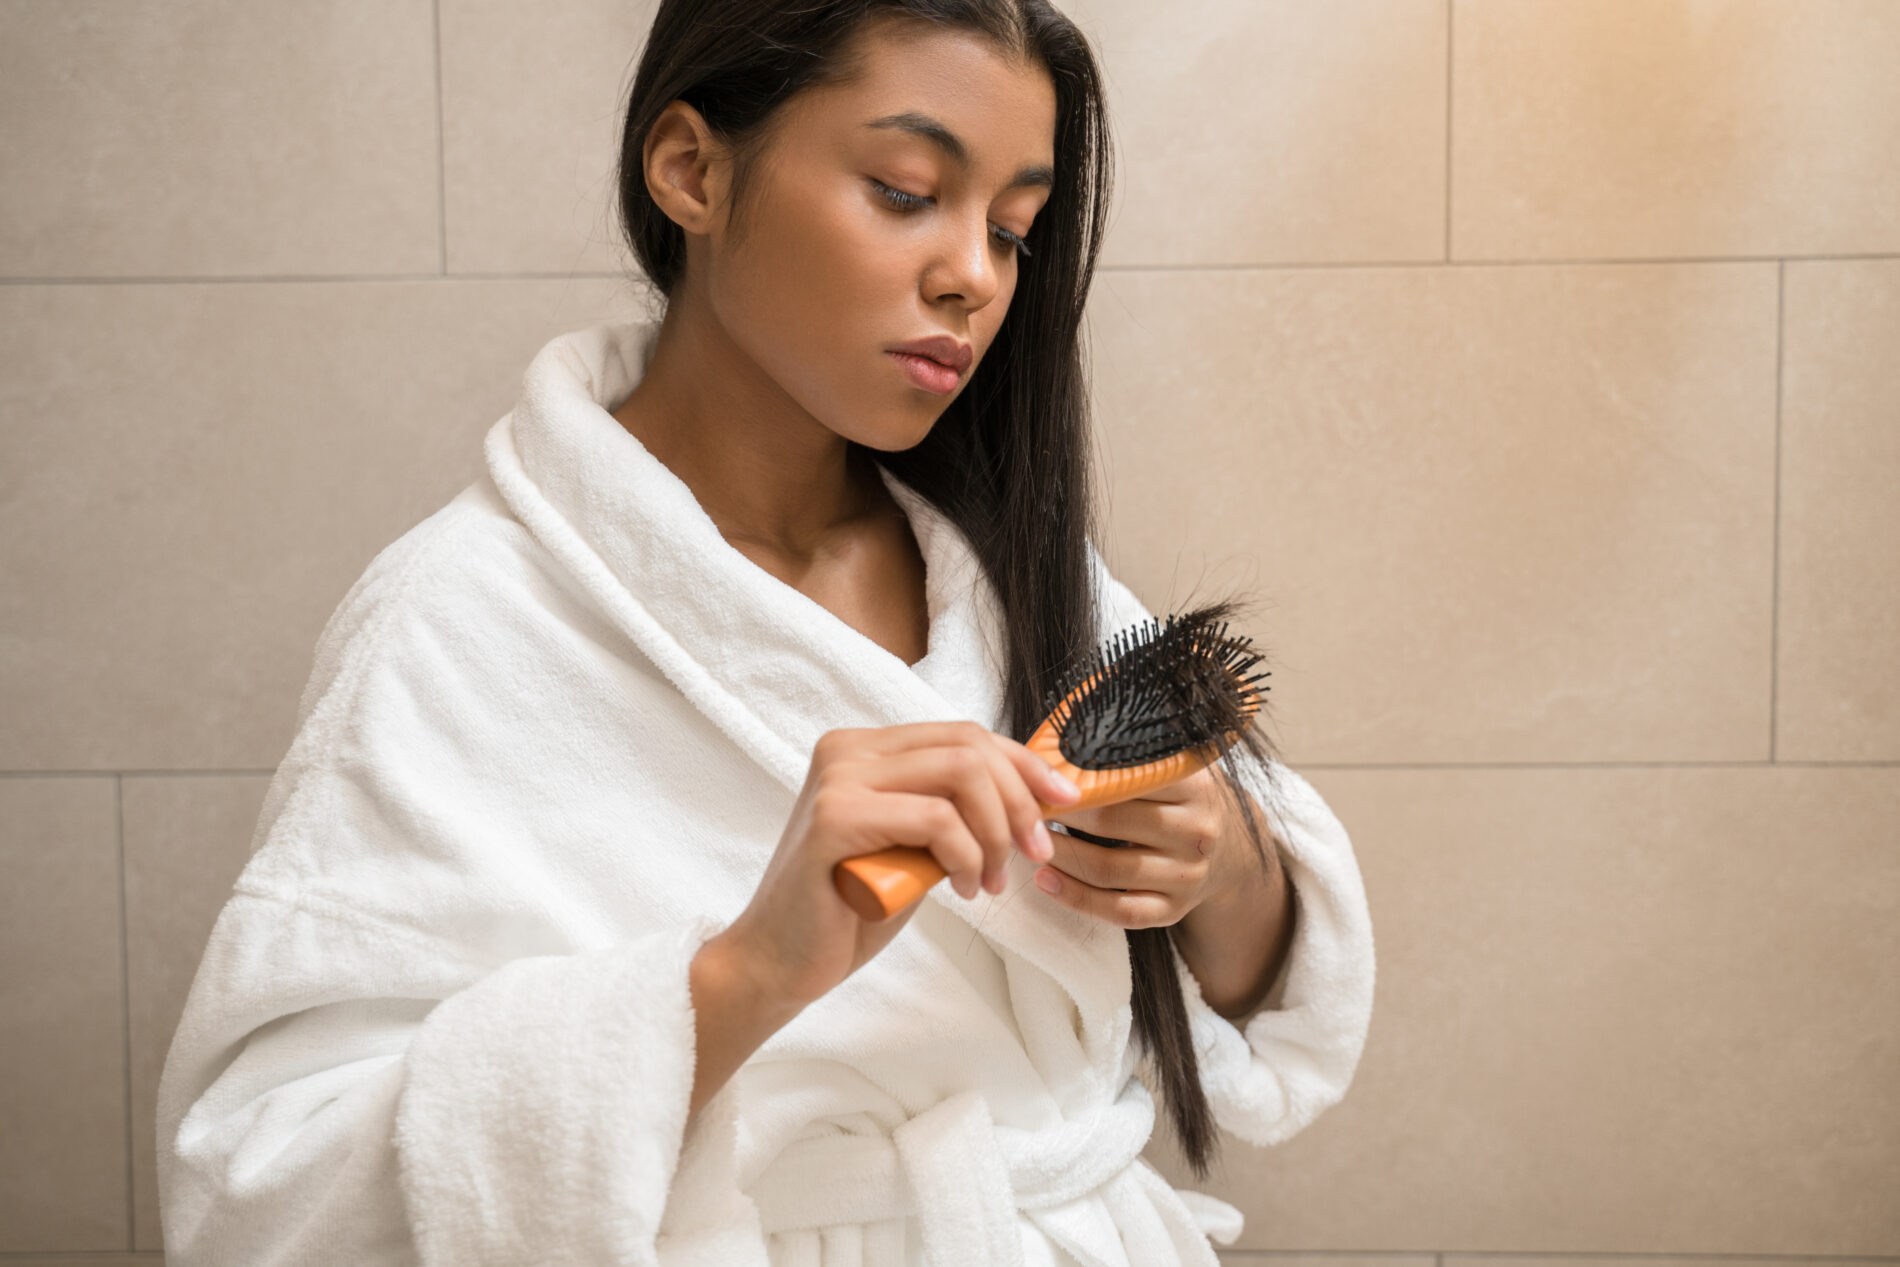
(871, 820)
(1042, 778)
(1131, 867)
(1024, 780)
(1044, 782)
(1137, 908)
(1171, 829)
(1018, 797)
(858, 742)
(969, 777)
(1197, 786)
(917, 734)
(1182, 831)
(1029, 784)
(1133, 821)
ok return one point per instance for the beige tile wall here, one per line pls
(1534, 359)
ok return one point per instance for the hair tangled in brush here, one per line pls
(1150, 691)
(1155, 689)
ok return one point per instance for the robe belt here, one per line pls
(971, 1175)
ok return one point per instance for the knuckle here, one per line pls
(944, 816)
(964, 863)
(972, 855)
(830, 806)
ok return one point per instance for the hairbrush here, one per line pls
(1154, 703)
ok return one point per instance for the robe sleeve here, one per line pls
(1270, 1076)
(326, 1113)
(389, 1054)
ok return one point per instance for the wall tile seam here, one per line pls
(1260, 266)
(125, 1014)
(1450, 85)
(1551, 1255)
(441, 164)
(1774, 561)
(1875, 764)
(182, 772)
(1552, 261)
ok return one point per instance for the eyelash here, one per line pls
(902, 201)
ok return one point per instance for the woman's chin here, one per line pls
(896, 437)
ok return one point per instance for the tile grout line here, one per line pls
(37, 1257)
(1552, 261)
(1557, 1255)
(1260, 1255)
(1596, 765)
(1774, 591)
(125, 1013)
(441, 165)
(209, 773)
(1279, 266)
(1449, 6)
(1668, 1256)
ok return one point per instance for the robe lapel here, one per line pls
(770, 666)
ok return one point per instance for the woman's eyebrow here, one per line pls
(952, 144)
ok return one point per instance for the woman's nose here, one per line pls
(966, 268)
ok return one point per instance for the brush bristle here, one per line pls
(1161, 688)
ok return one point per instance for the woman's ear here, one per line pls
(687, 170)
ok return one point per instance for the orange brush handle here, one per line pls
(878, 885)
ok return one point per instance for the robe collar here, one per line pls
(769, 665)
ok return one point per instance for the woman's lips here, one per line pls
(932, 376)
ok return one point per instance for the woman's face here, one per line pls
(881, 213)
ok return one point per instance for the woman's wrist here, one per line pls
(734, 1011)
(1236, 943)
(750, 975)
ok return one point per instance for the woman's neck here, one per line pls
(766, 472)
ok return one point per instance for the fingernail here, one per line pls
(1048, 881)
(1042, 848)
(1061, 783)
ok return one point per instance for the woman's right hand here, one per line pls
(963, 792)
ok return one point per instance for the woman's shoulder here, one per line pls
(388, 583)
(465, 589)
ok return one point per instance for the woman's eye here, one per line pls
(902, 201)
(1012, 240)
(899, 199)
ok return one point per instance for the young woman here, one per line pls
(538, 959)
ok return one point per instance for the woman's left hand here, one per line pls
(1181, 848)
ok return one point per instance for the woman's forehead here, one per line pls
(954, 90)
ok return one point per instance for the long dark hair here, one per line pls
(1009, 460)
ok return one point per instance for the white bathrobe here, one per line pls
(550, 740)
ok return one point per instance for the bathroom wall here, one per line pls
(1533, 360)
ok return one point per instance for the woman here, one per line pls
(517, 973)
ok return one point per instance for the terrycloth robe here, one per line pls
(551, 738)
